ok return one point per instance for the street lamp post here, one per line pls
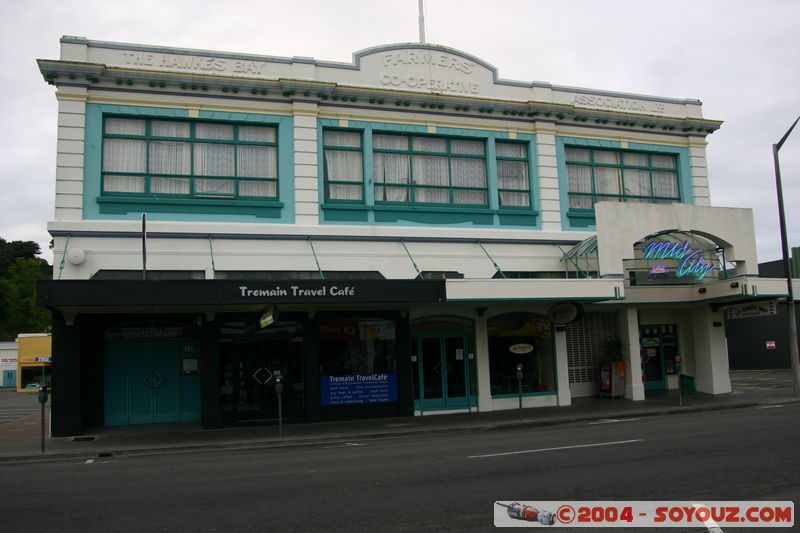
(793, 351)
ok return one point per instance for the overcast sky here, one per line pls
(740, 58)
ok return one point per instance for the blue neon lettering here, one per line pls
(691, 262)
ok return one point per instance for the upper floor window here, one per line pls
(171, 158)
(597, 175)
(429, 170)
(343, 167)
(513, 185)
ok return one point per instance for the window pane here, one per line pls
(510, 150)
(123, 183)
(265, 189)
(123, 155)
(663, 161)
(350, 139)
(213, 159)
(169, 185)
(638, 160)
(512, 175)
(257, 188)
(637, 182)
(580, 178)
(461, 197)
(124, 126)
(391, 194)
(580, 202)
(429, 144)
(211, 187)
(538, 364)
(159, 128)
(429, 170)
(213, 131)
(466, 147)
(606, 158)
(257, 134)
(514, 199)
(343, 166)
(665, 184)
(468, 173)
(579, 155)
(390, 142)
(606, 180)
(431, 196)
(257, 161)
(345, 192)
(390, 168)
(169, 157)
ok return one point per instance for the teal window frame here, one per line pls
(622, 166)
(327, 182)
(526, 161)
(413, 188)
(193, 141)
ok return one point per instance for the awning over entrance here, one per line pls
(76, 294)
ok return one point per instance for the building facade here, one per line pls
(404, 234)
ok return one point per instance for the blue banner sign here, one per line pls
(358, 389)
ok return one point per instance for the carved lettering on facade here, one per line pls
(184, 62)
(438, 76)
(610, 102)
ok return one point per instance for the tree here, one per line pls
(20, 269)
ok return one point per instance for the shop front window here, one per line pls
(33, 377)
(521, 339)
(358, 361)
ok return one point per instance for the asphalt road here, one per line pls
(443, 482)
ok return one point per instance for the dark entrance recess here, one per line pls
(250, 359)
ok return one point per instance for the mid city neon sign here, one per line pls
(690, 261)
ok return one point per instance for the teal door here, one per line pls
(146, 382)
(443, 369)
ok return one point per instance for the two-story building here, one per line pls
(398, 235)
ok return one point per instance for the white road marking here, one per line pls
(89, 461)
(769, 406)
(612, 421)
(343, 445)
(710, 524)
(554, 449)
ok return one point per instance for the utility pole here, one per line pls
(421, 23)
(793, 350)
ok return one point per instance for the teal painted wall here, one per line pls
(587, 223)
(219, 210)
(415, 215)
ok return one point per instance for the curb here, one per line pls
(279, 443)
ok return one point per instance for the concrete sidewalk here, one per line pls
(20, 440)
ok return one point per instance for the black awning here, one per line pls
(129, 293)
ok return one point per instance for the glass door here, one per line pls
(444, 371)
(659, 347)
(250, 359)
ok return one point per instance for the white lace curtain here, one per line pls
(580, 181)
(343, 165)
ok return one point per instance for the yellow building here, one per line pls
(33, 361)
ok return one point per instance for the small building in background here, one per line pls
(8, 364)
(33, 361)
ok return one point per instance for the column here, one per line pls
(66, 410)
(549, 202)
(69, 153)
(629, 334)
(562, 370)
(710, 352)
(482, 364)
(306, 169)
